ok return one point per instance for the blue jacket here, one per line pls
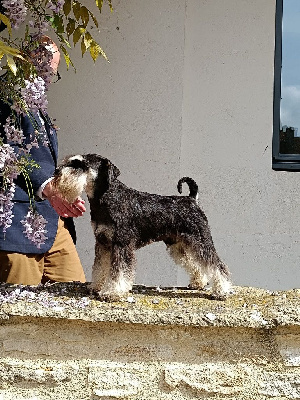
(14, 240)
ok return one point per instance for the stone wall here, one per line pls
(59, 342)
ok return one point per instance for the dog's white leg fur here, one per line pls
(110, 282)
(101, 267)
(116, 289)
(201, 273)
(108, 288)
(221, 285)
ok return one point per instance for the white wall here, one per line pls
(189, 91)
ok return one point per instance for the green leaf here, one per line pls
(67, 58)
(27, 38)
(64, 40)
(58, 23)
(49, 18)
(6, 21)
(95, 51)
(84, 14)
(83, 47)
(67, 7)
(12, 51)
(79, 31)
(94, 20)
(76, 9)
(11, 64)
(70, 26)
(110, 5)
(99, 4)
(88, 40)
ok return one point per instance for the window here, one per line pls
(286, 123)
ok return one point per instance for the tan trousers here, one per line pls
(60, 264)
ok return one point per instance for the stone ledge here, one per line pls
(246, 307)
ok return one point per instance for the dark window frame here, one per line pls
(280, 161)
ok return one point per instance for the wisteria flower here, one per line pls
(8, 171)
(16, 11)
(6, 207)
(55, 6)
(34, 224)
(40, 25)
(8, 164)
(13, 134)
(41, 58)
(34, 96)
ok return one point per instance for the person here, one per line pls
(55, 260)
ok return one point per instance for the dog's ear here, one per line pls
(107, 174)
(112, 172)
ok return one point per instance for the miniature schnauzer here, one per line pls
(124, 220)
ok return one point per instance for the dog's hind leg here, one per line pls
(197, 270)
(221, 283)
(203, 266)
(121, 275)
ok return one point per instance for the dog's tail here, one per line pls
(192, 186)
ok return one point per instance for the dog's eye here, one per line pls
(77, 164)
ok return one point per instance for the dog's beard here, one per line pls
(69, 184)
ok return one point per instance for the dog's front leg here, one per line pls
(101, 267)
(119, 280)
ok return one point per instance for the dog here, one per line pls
(125, 219)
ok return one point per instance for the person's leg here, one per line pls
(62, 263)
(25, 269)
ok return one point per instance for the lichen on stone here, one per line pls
(246, 306)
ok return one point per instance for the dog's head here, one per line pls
(88, 172)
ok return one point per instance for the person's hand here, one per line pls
(61, 205)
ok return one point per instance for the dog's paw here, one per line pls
(94, 289)
(110, 297)
(219, 296)
(197, 286)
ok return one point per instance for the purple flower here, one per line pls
(6, 207)
(33, 94)
(41, 26)
(34, 225)
(8, 171)
(8, 164)
(55, 6)
(41, 59)
(16, 11)
(13, 134)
